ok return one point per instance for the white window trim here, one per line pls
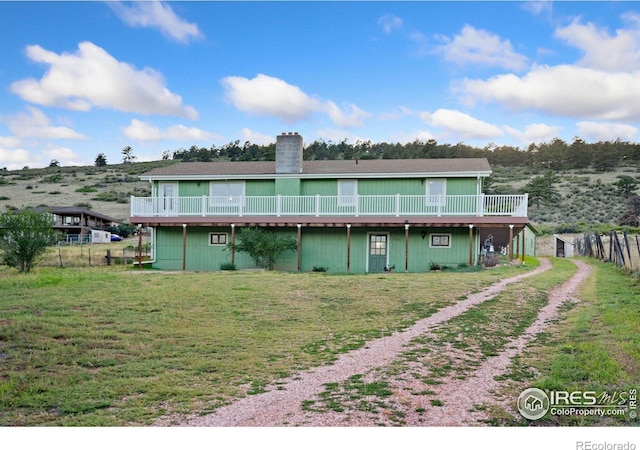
(348, 200)
(433, 202)
(218, 244)
(439, 235)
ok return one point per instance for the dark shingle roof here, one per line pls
(75, 210)
(325, 167)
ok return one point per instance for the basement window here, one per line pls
(217, 238)
(440, 240)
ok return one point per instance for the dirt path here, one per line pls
(282, 406)
(461, 397)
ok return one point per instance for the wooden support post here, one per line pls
(523, 247)
(406, 247)
(299, 243)
(510, 243)
(233, 243)
(348, 247)
(184, 246)
(470, 245)
(139, 247)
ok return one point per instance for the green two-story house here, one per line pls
(347, 216)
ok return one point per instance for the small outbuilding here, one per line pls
(100, 237)
(562, 248)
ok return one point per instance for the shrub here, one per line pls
(263, 246)
(86, 189)
(320, 269)
(227, 266)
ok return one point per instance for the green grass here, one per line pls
(109, 347)
(595, 345)
(459, 346)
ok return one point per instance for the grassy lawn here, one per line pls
(594, 346)
(108, 346)
(111, 346)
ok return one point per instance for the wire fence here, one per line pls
(618, 248)
(80, 254)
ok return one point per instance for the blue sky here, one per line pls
(82, 78)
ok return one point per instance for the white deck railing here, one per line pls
(321, 206)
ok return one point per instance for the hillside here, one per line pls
(586, 196)
(105, 190)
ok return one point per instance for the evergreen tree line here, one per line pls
(556, 155)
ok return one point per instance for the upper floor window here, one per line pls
(347, 192)
(436, 191)
(227, 192)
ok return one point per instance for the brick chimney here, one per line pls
(289, 153)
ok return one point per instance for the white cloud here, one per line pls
(269, 96)
(14, 159)
(273, 97)
(92, 77)
(461, 125)
(563, 91)
(36, 124)
(352, 117)
(604, 131)
(159, 15)
(9, 141)
(535, 132)
(256, 138)
(389, 23)
(601, 50)
(397, 114)
(538, 7)
(473, 46)
(144, 131)
(65, 156)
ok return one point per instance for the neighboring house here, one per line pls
(77, 223)
(347, 216)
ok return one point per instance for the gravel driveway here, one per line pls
(458, 397)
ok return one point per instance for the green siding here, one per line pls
(257, 188)
(461, 186)
(296, 186)
(529, 243)
(391, 186)
(287, 186)
(193, 188)
(320, 247)
(319, 187)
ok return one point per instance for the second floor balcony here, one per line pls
(332, 206)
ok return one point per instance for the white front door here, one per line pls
(168, 201)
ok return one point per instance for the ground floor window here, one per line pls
(440, 240)
(217, 238)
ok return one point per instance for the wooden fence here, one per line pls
(619, 248)
(91, 255)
